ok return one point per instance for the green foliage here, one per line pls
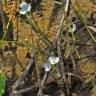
(54, 68)
(2, 84)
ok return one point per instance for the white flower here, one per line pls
(47, 67)
(54, 60)
(24, 8)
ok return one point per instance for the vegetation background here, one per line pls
(47, 16)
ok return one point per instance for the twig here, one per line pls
(7, 26)
(25, 74)
(17, 21)
(40, 92)
(58, 38)
(34, 50)
(21, 91)
(92, 55)
(73, 61)
(3, 17)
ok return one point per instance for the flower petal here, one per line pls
(47, 67)
(23, 4)
(24, 7)
(22, 12)
(54, 60)
(29, 7)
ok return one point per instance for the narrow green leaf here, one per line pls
(2, 84)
